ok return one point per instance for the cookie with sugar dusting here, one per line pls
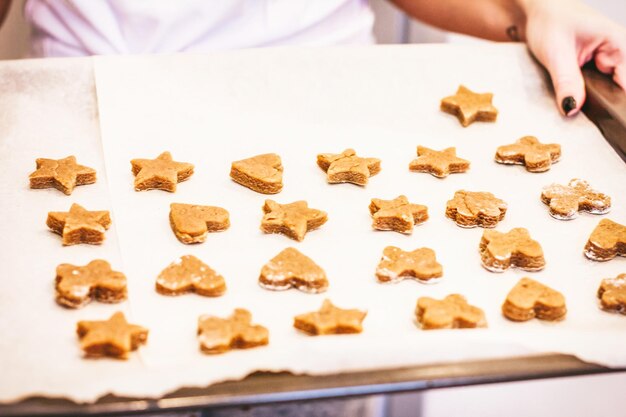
(190, 274)
(76, 286)
(612, 294)
(420, 264)
(291, 268)
(515, 248)
(565, 201)
(217, 335)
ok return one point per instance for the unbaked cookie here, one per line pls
(515, 248)
(330, 320)
(438, 163)
(290, 268)
(162, 173)
(469, 107)
(397, 215)
(261, 173)
(453, 312)
(565, 201)
(62, 174)
(348, 167)
(528, 151)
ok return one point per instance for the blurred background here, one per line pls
(391, 26)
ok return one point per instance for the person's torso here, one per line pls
(90, 27)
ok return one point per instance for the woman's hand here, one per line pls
(564, 35)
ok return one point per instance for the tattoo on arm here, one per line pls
(513, 33)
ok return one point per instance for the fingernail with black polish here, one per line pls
(568, 104)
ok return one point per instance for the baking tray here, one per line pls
(605, 106)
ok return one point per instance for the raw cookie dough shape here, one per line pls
(471, 209)
(565, 201)
(293, 220)
(528, 151)
(420, 264)
(612, 294)
(114, 337)
(161, 173)
(217, 335)
(348, 167)
(261, 173)
(290, 268)
(191, 223)
(62, 174)
(190, 274)
(438, 163)
(499, 251)
(398, 214)
(79, 225)
(607, 241)
(330, 320)
(76, 286)
(530, 299)
(453, 312)
(469, 107)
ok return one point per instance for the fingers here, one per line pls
(619, 75)
(610, 61)
(569, 86)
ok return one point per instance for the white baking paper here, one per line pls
(383, 101)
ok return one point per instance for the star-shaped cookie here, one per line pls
(612, 294)
(78, 285)
(528, 151)
(453, 312)
(420, 264)
(62, 174)
(607, 241)
(161, 173)
(469, 107)
(475, 208)
(114, 337)
(438, 163)
(191, 222)
(398, 214)
(190, 274)
(348, 167)
(529, 299)
(290, 268)
(565, 201)
(79, 225)
(499, 251)
(217, 335)
(261, 173)
(330, 320)
(293, 220)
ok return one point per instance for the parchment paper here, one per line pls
(383, 101)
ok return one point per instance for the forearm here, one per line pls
(488, 19)
(5, 5)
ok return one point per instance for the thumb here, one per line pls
(567, 79)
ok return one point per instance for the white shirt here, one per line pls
(100, 27)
